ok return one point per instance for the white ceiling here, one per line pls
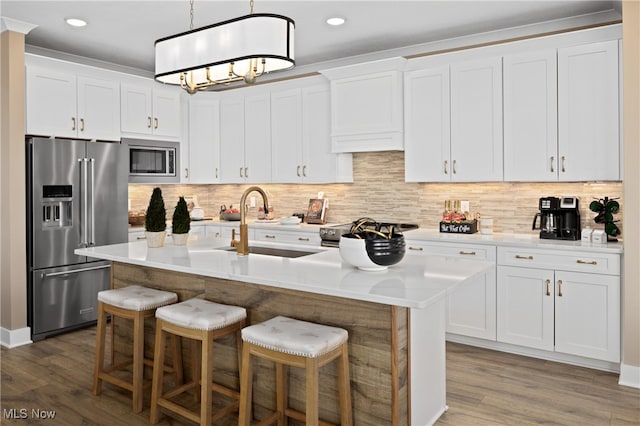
(124, 32)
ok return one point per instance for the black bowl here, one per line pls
(386, 252)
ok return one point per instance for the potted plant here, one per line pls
(181, 223)
(155, 221)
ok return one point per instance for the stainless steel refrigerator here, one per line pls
(77, 197)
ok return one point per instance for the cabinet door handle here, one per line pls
(141, 238)
(186, 173)
(563, 168)
(468, 253)
(453, 167)
(446, 164)
(155, 122)
(524, 257)
(304, 171)
(148, 122)
(73, 123)
(271, 237)
(216, 173)
(585, 262)
(552, 169)
(82, 124)
(548, 283)
(303, 239)
(559, 288)
(416, 248)
(246, 172)
(241, 172)
(298, 171)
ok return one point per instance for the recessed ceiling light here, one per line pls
(335, 21)
(75, 22)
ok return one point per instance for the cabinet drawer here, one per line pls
(288, 237)
(480, 252)
(601, 263)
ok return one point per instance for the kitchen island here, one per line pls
(395, 318)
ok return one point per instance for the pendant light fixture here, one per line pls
(243, 48)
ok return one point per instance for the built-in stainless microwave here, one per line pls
(153, 161)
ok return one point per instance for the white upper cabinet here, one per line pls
(245, 139)
(65, 105)
(366, 106)
(561, 116)
(588, 112)
(453, 122)
(301, 138)
(204, 140)
(427, 146)
(530, 116)
(150, 111)
(476, 121)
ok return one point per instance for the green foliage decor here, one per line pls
(181, 221)
(155, 219)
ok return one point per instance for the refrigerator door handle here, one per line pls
(92, 239)
(83, 203)
(75, 271)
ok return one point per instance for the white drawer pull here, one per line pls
(416, 248)
(524, 257)
(468, 253)
(584, 262)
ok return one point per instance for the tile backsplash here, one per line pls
(379, 191)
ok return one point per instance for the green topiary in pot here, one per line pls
(181, 221)
(155, 220)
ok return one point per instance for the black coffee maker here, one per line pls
(559, 218)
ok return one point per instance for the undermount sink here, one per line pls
(273, 251)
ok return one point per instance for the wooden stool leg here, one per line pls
(206, 408)
(282, 393)
(196, 368)
(158, 376)
(138, 360)
(246, 383)
(99, 362)
(344, 387)
(312, 383)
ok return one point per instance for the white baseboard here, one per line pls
(14, 338)
(629, 376)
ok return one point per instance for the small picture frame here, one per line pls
(317, 211)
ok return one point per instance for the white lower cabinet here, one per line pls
(575, 313)
(471, 309)
(290, 237)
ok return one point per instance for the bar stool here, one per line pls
(202, 321)
(290, 342)
(134, 303)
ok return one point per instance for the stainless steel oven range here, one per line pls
(330, 235)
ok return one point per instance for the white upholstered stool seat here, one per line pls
(290, 342)
(137, 298)
(133, 303)
(203, 322)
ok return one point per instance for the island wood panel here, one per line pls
(378, 343)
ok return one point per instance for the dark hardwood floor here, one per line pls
(483, 388)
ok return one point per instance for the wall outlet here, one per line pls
(464, 206)
(252, 202)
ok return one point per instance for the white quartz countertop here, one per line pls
(524, 240)
(415, 282)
